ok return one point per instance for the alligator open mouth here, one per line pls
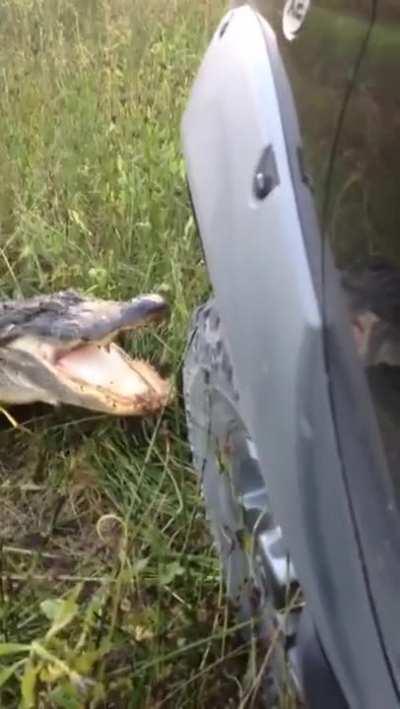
(129, 386)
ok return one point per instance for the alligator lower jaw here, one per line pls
(105, 378)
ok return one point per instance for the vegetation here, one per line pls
(110, 593)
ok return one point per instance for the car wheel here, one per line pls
(259, 576)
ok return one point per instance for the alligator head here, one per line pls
(60, 349)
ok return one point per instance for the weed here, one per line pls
(110, 591)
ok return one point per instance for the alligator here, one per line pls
(61, 349)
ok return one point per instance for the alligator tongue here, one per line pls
(111, 369)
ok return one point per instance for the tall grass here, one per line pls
(109, 589)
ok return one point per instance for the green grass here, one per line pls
(109, 584)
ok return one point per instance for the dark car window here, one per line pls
(343, 62)
(343, 68)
